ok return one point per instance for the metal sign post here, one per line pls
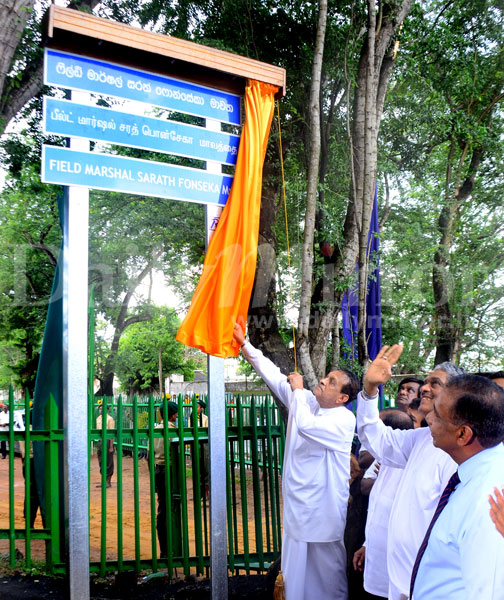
(217, 433)
(75, 384)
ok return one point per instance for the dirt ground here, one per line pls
(128, 512)
(16, 585)
(38, 548)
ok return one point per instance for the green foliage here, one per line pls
(440, 147)
(137, 365)
(29, 248)
(131, 233)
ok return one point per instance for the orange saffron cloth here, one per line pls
(223, 293)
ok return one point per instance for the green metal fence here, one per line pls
(123, 518)
(22, 440)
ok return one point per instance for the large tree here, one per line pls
(131, 237)
(21, 56)
(368, 87)
(443, 136)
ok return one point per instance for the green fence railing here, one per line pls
(20, 442)
(126, 519)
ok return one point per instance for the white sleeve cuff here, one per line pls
(365, 396)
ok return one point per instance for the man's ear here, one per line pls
(343, 398)
(465, 435)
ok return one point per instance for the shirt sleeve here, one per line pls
(482, 555)
(391, 447)
(270, 373)
(371, 471)
(333, 433)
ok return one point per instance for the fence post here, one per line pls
(12, 525)
(51, 475)
(29, 474)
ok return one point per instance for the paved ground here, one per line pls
(242, 587)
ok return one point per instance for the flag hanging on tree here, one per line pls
(373, 299)
(350, 305)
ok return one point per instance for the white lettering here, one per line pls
(108, 172)
(69, 71)
(198, 185)
(64, 166)
(102, 77)
(156, 179)
(60, 115)
(177, 95)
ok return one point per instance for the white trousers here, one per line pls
(314, 570)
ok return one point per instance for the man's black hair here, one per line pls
(396, 418)
(353, 386)
(411, 380)
(496, 375)
(492, 375)
(415, 403)
(479, 404)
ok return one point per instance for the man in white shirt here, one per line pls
(462, 554)
(385, 481)
(315, 478)
(4, 428)
(426, 468)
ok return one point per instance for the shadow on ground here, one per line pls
(40, 587)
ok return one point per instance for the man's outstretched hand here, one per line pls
(497, 509)
(296, 381)
(358, 559)
(238, 335)
(380, 370)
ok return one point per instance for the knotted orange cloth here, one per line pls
(223, 293)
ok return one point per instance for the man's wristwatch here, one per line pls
(367, 396)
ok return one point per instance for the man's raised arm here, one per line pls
(270, 373)
(391, 447)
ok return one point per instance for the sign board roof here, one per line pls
(72, 30)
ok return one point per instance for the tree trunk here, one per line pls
(374, 70)
(160, 371)
(14, 15)
(263, 327)
(122, 322)
(442, 280)
(311, 202)
(335, 339)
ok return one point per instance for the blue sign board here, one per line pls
(74, 72)
(63, 117)
(133, 176)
